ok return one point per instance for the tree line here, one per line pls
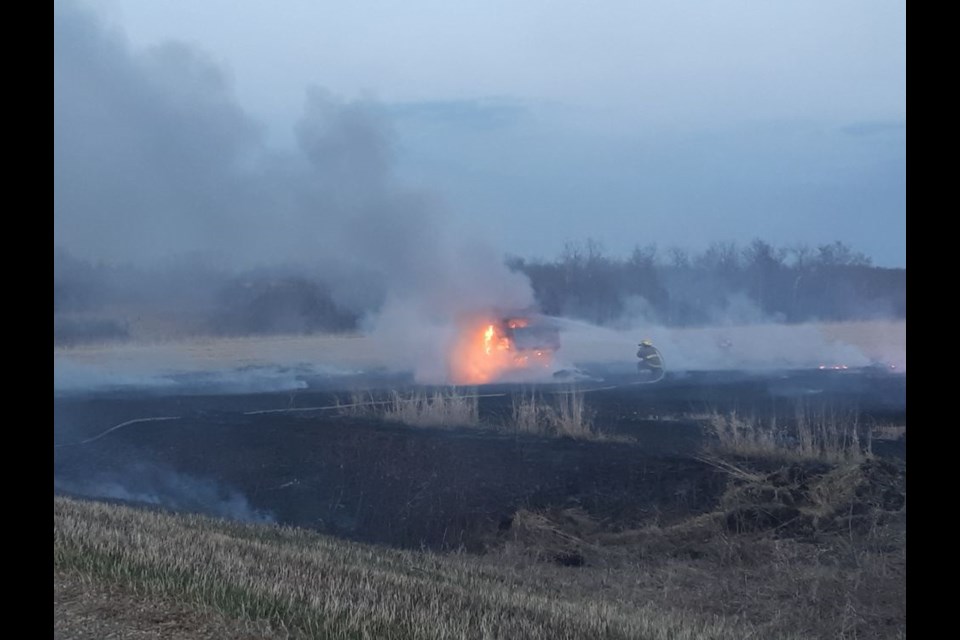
(724, 283)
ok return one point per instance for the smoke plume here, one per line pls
(156, 165)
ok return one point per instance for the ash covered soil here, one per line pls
(291, 458)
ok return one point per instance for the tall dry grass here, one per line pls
(442, 408)
(560, 414)
(564, 414)
(822, 433)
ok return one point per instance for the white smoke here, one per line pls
(765, 346)
(154, 162)
(155, 485)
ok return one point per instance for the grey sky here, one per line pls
(678, 123)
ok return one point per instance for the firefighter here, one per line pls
(650, 359)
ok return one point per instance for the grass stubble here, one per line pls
(302, 584)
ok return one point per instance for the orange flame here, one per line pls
(483, 354)
(488, 340)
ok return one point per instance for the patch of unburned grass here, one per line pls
(441, 408)
(90, 609)
(314, 586)
(564, 414)
(812, 548)
(889, 432)
(822, 433)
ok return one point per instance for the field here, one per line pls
(713, 504)
(755, 347)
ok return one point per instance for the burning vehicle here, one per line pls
(495, 346)
(530, 335)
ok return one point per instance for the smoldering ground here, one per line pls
(155, 485)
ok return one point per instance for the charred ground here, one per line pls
(295, 458)
(649, 522)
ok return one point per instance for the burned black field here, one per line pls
(308, 458)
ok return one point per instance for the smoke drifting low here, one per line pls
(747, 347)
(152, 484)
(155, 164)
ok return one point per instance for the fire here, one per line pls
(488, 340)
(485, 352)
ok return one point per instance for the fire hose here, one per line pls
(332, 407)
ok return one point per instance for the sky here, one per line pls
(530, 124)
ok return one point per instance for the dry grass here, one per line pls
(313, 586)
(823, 433)
(561, 414)
(856, 584)
(807, 549)
(88, 609)
(812, 548)
(889, 432)
(832, 434)
(876, 339)
(565, 414)
(745, 435)
(208, 353)
(442, 408)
